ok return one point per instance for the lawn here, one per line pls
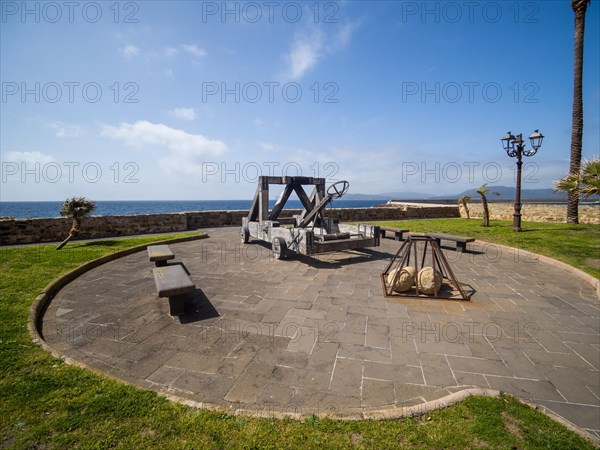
(48, 404)
(577, 245)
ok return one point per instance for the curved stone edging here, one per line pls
(42, 301)
(39, 305)
(591, 280)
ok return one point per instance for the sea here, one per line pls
(21, 210)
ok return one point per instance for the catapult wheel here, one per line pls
(244, 235)
(337, 190)
(279, 248)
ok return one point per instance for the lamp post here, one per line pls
(515, 147)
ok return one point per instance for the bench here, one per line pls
(461, 242)
(173, 282)
(160, 254)
(398, 232)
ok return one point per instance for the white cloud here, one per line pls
(29, 158)
(66, 130)
(170, 51)
(194, 50)
(186, 151)
(130, 51)
(304, 55)
(343, 35)
(188, 114)
(266, 146)
(309, 48)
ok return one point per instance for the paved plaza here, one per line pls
(316, 335)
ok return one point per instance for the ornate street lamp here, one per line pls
(515, 147)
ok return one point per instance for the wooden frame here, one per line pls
(309, 233)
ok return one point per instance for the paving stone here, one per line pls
(144, 367)
(356, 323)
(470, 379)
(347, 377)
(304, 340)
(196, 362)
(300, 378)
(400, 373)
(587, 352)
(404, 351)
(251, 383)
(568, 382)
(212, 388)
(586, 416)
(378, 393)
(528, 389)
(411, 394)
(443, 348)
(345, 337)
(558, 359)
(478, 365)
(164, 375)
(323, 356)
(279, 357)
(377, 336)
(364, 353)
(436, 370)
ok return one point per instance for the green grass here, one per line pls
(45, 403)
(577, 245)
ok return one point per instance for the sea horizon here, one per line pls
(29, 209)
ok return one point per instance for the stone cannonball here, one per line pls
(405, 279)
(429, 281)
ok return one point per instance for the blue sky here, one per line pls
(191, 100)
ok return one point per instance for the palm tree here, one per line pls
(76, 208)
(580, 8)
(463, 201)
(586, 182)
(482, 191)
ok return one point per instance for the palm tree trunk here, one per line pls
(580, 8)
(486, 212)
(466, 210)
(75, 226)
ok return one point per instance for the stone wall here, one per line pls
(534, 212)
(23, 231)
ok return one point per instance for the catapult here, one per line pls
(309, 233)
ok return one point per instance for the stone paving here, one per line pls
(316, 335)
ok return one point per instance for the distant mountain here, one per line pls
(365, 197)
(509, 193)
(506, 193)
(388, 196)
(406, 195)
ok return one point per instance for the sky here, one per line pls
(193, 100)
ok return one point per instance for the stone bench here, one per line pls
(398, 232)
(173, 282)
(160, 254)
(461, 241)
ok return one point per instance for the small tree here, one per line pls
(586, 182)
(76, 208)
(482, 191)
(463, 201)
